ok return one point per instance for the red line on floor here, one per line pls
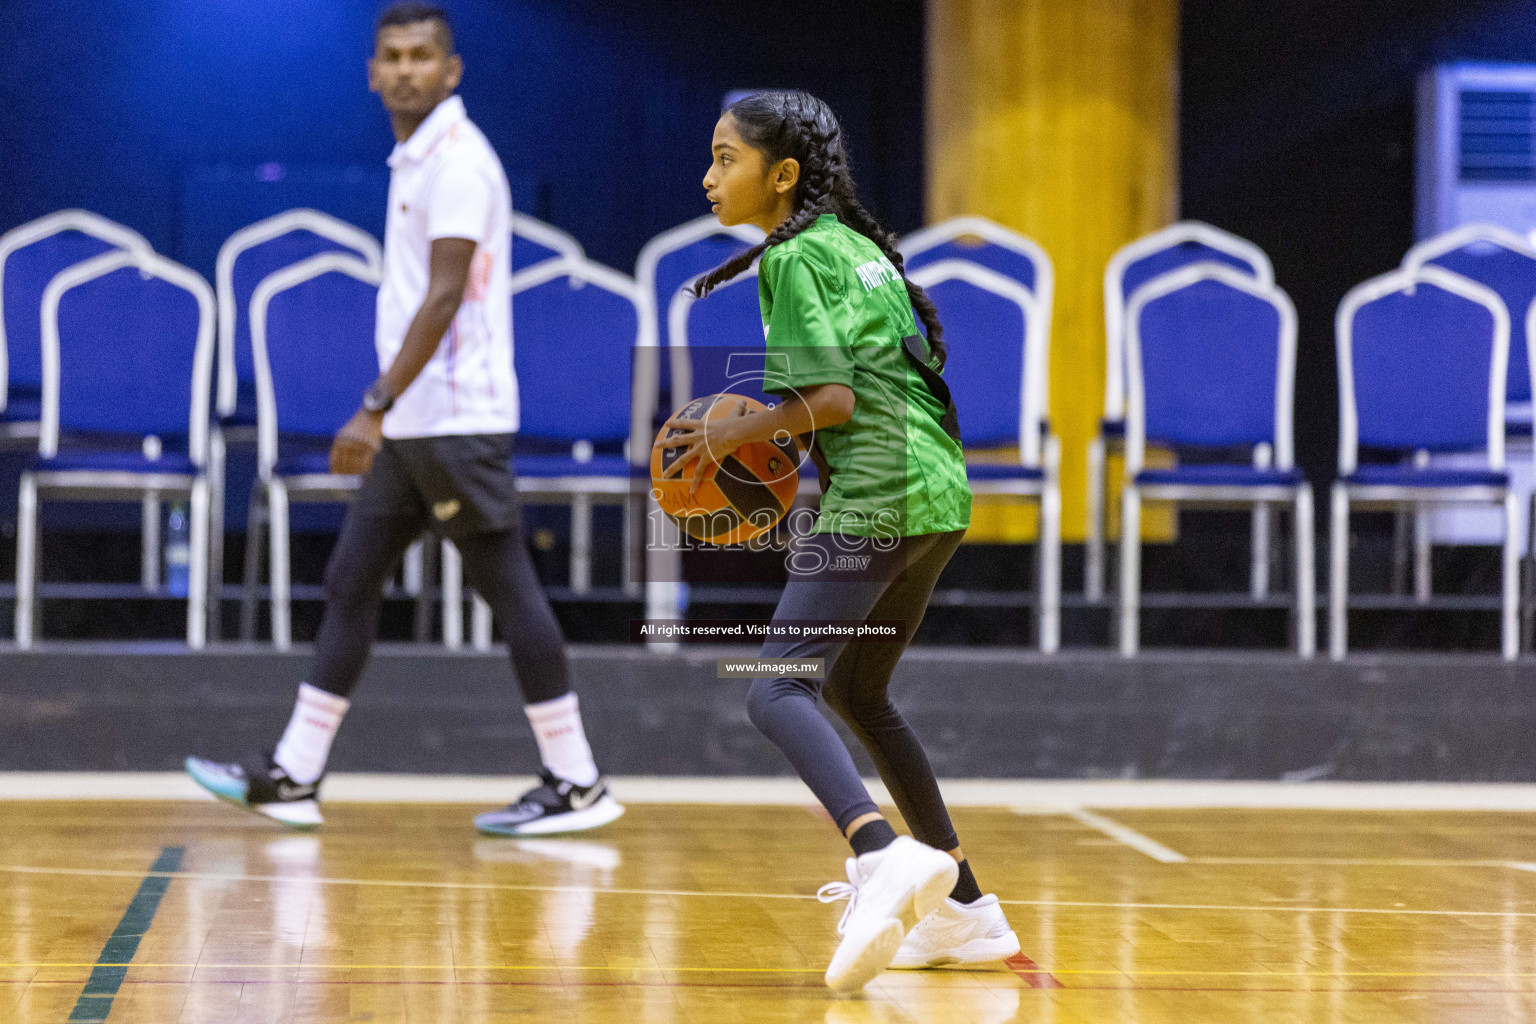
(1031, 973)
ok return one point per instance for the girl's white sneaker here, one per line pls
(888, 892)
(958, 933)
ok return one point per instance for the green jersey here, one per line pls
(835, 311)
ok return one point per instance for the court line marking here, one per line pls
(107, 974)
(1047, 796)
(951, 972)
(1031, 973)
(508, 887)
(1126, 835)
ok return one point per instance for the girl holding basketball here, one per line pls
(853, 370)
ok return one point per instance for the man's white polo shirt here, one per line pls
(446, 182)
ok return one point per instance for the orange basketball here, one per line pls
(744, 497)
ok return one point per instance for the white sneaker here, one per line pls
(888, 892)
(958, 933)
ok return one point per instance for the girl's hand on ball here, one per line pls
(706, 443)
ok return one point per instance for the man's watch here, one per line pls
(377, 398)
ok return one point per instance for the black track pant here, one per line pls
(463, 487)
(893, 586)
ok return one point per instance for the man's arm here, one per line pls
(358, 441)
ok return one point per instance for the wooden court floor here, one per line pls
(164, 912)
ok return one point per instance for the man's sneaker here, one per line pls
(958, 933)
(554, 805)
(263, 788)
(888, 892)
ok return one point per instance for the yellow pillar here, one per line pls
(1058, 118)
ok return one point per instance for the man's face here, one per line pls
(411, 68)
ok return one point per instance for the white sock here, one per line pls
(562, 741)
(306, 743)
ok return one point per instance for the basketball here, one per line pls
(743, 497)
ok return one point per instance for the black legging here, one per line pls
(495, 564)
(894, 586)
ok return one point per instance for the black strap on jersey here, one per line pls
(914, 345)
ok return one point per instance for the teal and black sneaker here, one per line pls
(555, 805)
(262, 788)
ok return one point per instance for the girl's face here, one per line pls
(743, 186)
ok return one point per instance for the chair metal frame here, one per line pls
(1345, 495)
(663, 592)
(582, 492)
(1116, 303)
(562, 243)
(361, 244)
(1216, 495)
(1422, 254)
(1038, 450)
(116, 485)
(277, 492)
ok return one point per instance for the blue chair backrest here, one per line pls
(573, 350)
(526, 252)
(321, 353)
(1008, 262)
(27, 272)
(984, 334)
(1421, 366)
(1513, 276)
(1210, 357)
(1181, 254)
(725, 346)
(126, 355)
(253, 266)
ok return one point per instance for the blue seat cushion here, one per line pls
(113, 462)
(1001, 471)
(303, 464)
(1407, 476)
(1220, 475)
(544, 466)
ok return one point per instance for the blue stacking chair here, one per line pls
(1132, 266)
(1000, 249)
(576, 324)
(1211, 363)
(534, 241)
(1506, 262)
(128, 346)
(30, 256)
(247, 258)
(1423, 357)
(998, 371)
(313, 354)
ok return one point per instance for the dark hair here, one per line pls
(796, 124)
(411, 12)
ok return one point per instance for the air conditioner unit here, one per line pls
(1476, 147)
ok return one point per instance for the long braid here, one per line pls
(796, 124)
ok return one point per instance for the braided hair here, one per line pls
(781, 125)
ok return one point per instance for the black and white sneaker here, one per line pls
(262, 788)
(555, 805)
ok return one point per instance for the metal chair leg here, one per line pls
(280, 567)
(216, 495)
(1258, 561)
(149, 549)
(480, 624)
(1130, 571)
(453, 597)
(26, 561)
(421, 627)
(1306, 575)
(1338, 574)
(1528, 602)
(1511, 609)
(1093, 552)
(197, 568)
(1048, 553)
(581, 543)
(255, 525)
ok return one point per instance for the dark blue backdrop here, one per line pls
(187, 118)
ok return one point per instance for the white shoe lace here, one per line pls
(849, 890)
